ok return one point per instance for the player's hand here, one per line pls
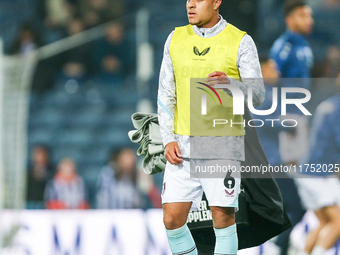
(218, 78)
(173, 154)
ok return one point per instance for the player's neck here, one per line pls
(294, 30)
(211, 23)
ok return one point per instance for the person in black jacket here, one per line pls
(38, 174)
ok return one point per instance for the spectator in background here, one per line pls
(121, 186)
(27, 40)
(96, 12)
(80, 54)
(114, 45)
(110, 72)
(72, 70)
(39, 173)
(76, 60)
(53, 17)
(117, 182)
(55, 13)
(67, 189)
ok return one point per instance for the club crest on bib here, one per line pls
(220, 51)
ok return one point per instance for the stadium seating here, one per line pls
(85, 120)
(84, 125)
(13, 13)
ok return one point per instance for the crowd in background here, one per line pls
(110, 61)
(106, 60)
(120, 184)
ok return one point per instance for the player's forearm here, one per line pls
(166, 119)
(166, 102)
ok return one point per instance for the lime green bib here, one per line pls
(195, 57)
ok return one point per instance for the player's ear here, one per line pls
(288, 20)
(217, 4)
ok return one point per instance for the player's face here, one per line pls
(302, 20)
(203, 13)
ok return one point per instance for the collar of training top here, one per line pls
(212, 31)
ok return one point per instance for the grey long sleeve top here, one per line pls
(226, 147)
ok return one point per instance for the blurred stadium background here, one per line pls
(71, 74)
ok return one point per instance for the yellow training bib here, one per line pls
(195, 57)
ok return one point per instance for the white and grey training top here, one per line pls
(226, 147)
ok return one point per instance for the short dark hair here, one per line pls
(291, 5)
